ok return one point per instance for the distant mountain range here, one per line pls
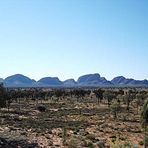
(92, 80)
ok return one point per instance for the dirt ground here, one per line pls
(67, 125)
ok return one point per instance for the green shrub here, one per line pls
(90, 145)
(91, 137)
(146, 140)
(100, 144)
(118, 144)
(73, 143)
(141, 143)
(128, 144)
(135, 146)
(64, 135)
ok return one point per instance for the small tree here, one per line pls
(2, 96)
(109, 96)
(144, 119)
(115, 107)
(8, 100)
(128, 99)
(99, 94)
(139, 100)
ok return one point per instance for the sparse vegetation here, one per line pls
(74, 117)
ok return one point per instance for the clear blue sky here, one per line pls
(69, 38)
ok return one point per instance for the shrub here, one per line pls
(73, 143)
(91, 137)
(128, 144)
(146, 140)
(135, 146)
(115, 108)
(64, 135)
(41, 108)
(141, 143)
(90, 145)
(100, 144)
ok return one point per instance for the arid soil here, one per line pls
(67, 124)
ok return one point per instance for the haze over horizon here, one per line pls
(67, 39)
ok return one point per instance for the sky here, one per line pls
(70, 38)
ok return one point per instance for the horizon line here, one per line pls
(71, 77)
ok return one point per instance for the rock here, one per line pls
(7, 129)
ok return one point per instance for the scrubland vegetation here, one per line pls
(73, 118)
